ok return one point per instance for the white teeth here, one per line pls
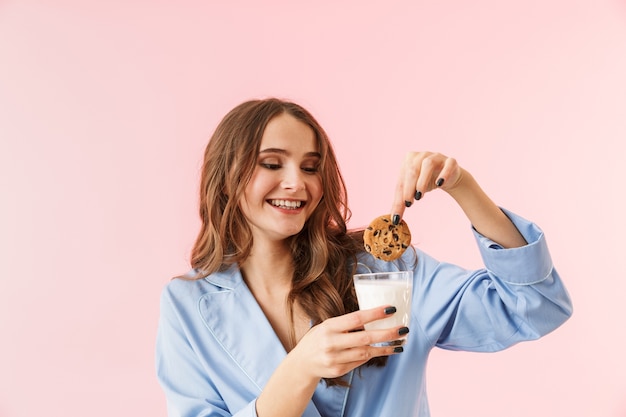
(286, 204)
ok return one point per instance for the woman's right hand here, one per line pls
(339, 344)
(329, 350)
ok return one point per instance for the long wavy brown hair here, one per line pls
(324, 252)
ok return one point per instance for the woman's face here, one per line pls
(286, 186)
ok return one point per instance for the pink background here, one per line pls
(105, 109)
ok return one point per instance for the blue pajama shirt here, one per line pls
(216, 350)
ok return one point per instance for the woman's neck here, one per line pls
(268, 269)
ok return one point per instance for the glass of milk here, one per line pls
(378, 289)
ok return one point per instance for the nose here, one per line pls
(293, 179)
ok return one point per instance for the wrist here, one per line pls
(299, 370)
(464, 186)
(290, 380)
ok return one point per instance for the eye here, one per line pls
(271, 163)
(311, 170)
(311, 166)
(273, 167)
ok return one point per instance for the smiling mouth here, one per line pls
(287, 204)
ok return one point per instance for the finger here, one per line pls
(412, 169)
(448, 173)
(367, 346)
(399, 204)
(371, 337)
(428, 170)
(359, 355)
(357, 319)
(358, 338)
(405, 188)
(349, 359)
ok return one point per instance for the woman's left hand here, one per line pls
(422, 172)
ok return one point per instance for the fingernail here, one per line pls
(390, 310)
(418, 195)
(439, 182)
(403, 330)
(398, 349)
(408, 203)
(395, 219)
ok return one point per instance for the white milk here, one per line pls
(376, 293)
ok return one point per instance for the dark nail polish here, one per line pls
(398, 349)
(418, 195)
(403, 330)
(390, 310)
(395, 219)
(408, 203)
(439, 182)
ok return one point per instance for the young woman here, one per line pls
(267, 323)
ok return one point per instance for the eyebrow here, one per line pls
(284, 152)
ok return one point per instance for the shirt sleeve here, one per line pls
(517, 296)
(188, 390)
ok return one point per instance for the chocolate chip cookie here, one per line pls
(386, 241)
